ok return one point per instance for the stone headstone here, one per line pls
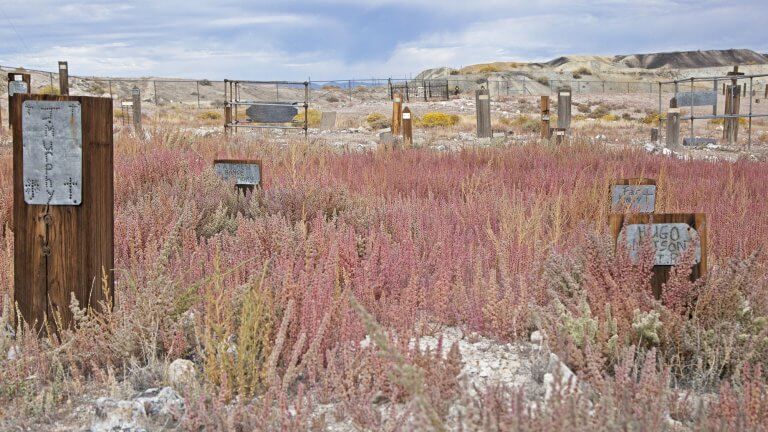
(669, 241)
(52, 166)
(688, 141)
(386, 137)
(698, 98)
(328, 120)
(273, 112)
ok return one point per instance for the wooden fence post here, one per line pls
(63, 78)
(483, 113)
(397, 113)
(17, 83)
(732, 104)
(407, 128)
(564, 108)
(673, 128)
(545, 117)
(63, 200)
(669, 235)
(136, 93)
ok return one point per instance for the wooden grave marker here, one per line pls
(732, 105)
(246, 173)
(670, 235)
(407, 128)
(673, 125)
(136, 103)
(545, 131)
(483, 110)
(63, 78)
(63, 206)
(564, 108)
(634, 195)
(397, 113)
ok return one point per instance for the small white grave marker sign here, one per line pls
(633, 198)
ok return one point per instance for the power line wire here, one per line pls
(13, 27)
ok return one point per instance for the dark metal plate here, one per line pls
(275, 112)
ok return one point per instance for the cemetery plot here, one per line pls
(273, 111)
(426, 90)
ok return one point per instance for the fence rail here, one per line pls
(206, 93)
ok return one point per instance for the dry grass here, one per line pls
(269, 294)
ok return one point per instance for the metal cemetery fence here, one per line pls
(263, 107)
(700, 99)
(205, 93)
(425, 90)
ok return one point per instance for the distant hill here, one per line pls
(638, 65)
(692, 59)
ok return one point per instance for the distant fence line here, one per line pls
(205, 93)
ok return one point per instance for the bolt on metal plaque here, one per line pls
(244, 174)
(633, 198)
(17, 87)
(669, 240)
(52, 166)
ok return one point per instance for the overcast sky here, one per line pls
(341, 39)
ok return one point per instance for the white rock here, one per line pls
(537, 337)
(181, 373)
(13, 353)
(123, 415)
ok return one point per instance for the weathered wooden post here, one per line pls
(62, 206)
(564, 108)
(673, 128)
(246, 173)
(397, 113)
(63, 78)
(136, 94)
(483, 113)
(669, 235)
(732, 105)
(673, 124)
(654, 135)
(545, 117)
(407, 128)
(18, 83)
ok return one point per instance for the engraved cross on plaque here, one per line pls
(71, 183)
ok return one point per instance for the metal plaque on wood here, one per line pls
(669, 240)
(17, 87)
(243, 173)
(274, 112)
(633, 198)
(52, 165)
(699, 98)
